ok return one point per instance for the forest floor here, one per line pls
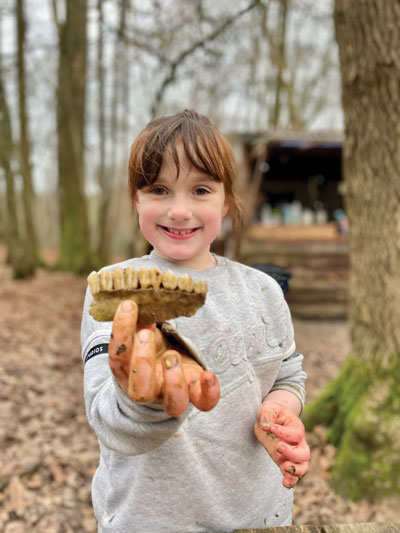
(48, 453)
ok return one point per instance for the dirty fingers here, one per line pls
(121, 342)
(143, 386)
(205, 392)
(176, 394)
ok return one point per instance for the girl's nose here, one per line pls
(179, 209)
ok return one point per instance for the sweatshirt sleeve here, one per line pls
(291, 376)
(120, 424)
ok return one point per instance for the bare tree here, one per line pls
(75, 253)
(279, 56)
(361, 406)
(28, 196)
(102, 245)
(174, 64)
(238, 62)
(120, 77)
(22, 266)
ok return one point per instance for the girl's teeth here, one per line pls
(183, 232)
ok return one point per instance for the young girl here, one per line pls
(184, 448)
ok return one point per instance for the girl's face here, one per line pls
(182, 217)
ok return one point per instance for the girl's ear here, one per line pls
(136, 201)
(225, 209)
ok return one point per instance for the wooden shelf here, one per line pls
(285, 234)
(318, 260)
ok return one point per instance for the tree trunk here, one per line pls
(280, 61)
(28, 197)
(106, 173)
(22, 267)
(362, 406)
(103, 245)
(75, 244)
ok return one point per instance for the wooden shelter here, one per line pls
(282, 170)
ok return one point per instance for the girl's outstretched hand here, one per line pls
(282, 434)
(149, 372)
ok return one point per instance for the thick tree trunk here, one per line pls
(75, 245)
(362, 406)
(368, 33)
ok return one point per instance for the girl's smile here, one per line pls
(181, 215)
(176, 233)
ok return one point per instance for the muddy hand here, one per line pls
(150, 372)
(282, 434)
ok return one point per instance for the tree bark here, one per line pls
(103, 245)
(22, 268)
(28, 196)
(120, 75)
(280, 60)
(75, 243)
(362, 406)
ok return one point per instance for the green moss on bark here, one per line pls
(335, 404)
(361, 408)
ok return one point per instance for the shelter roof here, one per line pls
(303, 139)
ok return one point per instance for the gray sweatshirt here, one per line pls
(201, 471)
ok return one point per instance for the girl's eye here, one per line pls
(159, 191)
(201, 191)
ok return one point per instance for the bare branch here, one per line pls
(173, 66)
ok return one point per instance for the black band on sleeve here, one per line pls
(292, 356)
(96, 350)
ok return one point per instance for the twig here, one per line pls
(28, 471)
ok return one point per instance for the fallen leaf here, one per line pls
(16, 491)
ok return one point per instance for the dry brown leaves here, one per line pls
(325, 345)
(48, 451)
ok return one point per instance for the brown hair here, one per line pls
(204, 145)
